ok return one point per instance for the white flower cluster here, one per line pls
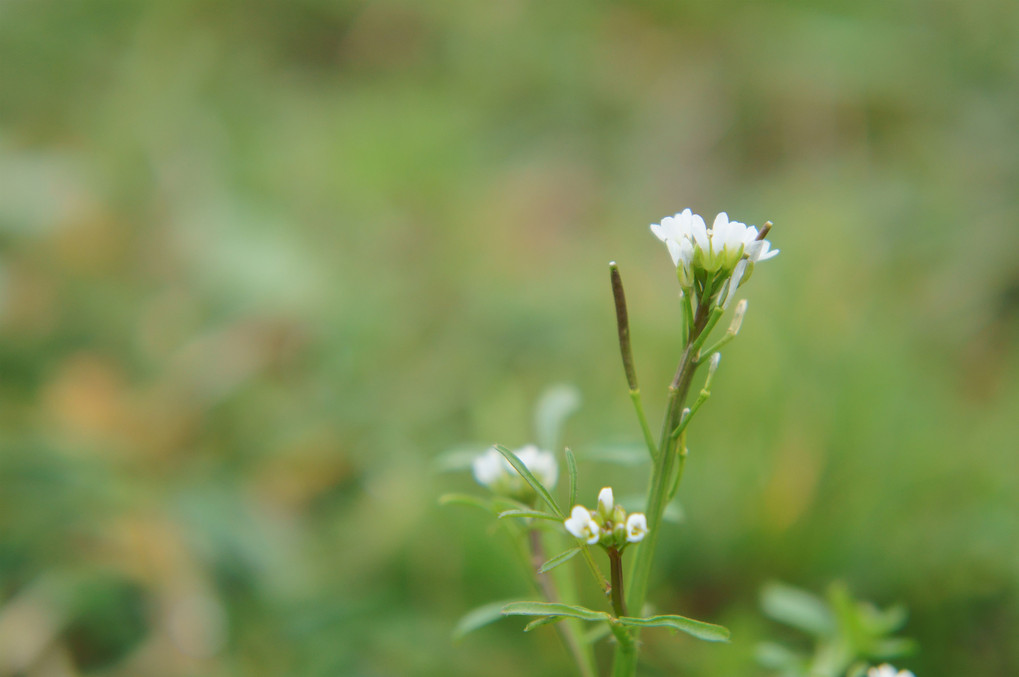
(495, 472)
(712, 262)
(609, 525)
(887, 670)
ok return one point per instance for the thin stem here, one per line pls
(715, 347)
(698, 403)
(687, 315)
(569, 632)
(681, 465)
(649, 440)
(616, 565)
(702, 335)
(598, 575)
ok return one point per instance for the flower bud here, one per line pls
(605, 501)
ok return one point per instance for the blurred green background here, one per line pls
(262, 261)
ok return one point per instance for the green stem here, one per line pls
(685, 421)
(649, 439)
(715, 347)
(595, 571)
(625, 665)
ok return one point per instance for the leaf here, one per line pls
(529, 477)
(571, 465)
(797, 608)
(478, 618)
(536, 514)
(553, 609)
(554, 406)
(538, 622)
(699, 629)
(561, 558)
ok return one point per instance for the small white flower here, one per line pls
(495, 472)
(489, 467)
(636, 527)
(726, 248)
(541, 463)
(887, 670)
(580, 524)
(605, 502)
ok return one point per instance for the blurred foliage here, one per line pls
(848, 635)
(261, 261)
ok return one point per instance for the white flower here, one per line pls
(489, 467)
(541, 463)
(725, 249)
(887, 670)
(605, 502)
(580, 524)
(636, 527)
(757, 250)
(495, 472)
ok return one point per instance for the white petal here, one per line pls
(579, 521)
(675, 251)
(542, 463)
(605, 502)
(488, 467)
(767, 252)
(699, 231)
(636, 527)
(659, 231)
(735, 235)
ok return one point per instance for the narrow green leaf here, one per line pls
(478, 618)
(536, 514)
(571, 465)
(554, 406)
(529, 477)
(538, 622)
(797, 608)
(699, 629)
(553, 609)
(558, 559)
